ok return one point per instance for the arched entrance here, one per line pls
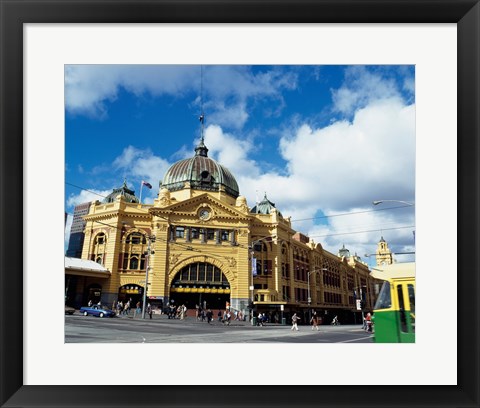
(201, 284)
(92, 293)
(131, 292)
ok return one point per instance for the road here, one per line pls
(88, 329)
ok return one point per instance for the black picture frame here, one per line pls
(14, 13)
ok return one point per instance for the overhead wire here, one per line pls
(298, 220)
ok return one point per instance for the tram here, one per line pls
(394, 311)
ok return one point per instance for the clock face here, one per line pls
(204, 214)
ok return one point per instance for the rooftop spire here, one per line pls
(201, 149)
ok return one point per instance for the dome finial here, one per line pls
(201, 149)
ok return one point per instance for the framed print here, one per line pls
(35, 373)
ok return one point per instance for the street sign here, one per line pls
(359, 304)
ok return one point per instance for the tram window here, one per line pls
(401, 306)
(384, 300)
(411, 296)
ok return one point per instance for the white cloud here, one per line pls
(361, 87)
(141, 164)
(89, 87)
(359, 229)
(231, 152)
(339, 168)
(347, 164)
(226, 91)
(86, 196)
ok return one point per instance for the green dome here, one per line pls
(128, 195)
(201, 172)
(264, 207)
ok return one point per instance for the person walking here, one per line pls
(149, 310)
(209, 316)
(368, 320)
(138, 309)
(295, 319)
(314, 321)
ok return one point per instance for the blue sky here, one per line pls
(322, 142)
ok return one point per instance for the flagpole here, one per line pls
(141, 187)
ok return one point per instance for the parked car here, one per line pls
(97, 310)
(69, 310)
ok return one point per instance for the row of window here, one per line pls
(330, 279)
(329, 297)
(301, 294)
(203, 234)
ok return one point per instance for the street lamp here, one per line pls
(150, 239)
(251, 247)
(308, 288)
(376, 202)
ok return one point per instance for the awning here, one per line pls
(83, 267)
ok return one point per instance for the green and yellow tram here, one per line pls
(394, 311)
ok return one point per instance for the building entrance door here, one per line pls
(211, 301)
(200, 284)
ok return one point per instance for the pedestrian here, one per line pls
(90, 303)
(219, 315)
(209, 316)
(138, 309)
(368, 320)
(295, 319)
(119, 307)
(149, 310)
(314, 321)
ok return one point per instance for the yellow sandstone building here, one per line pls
(200, 244)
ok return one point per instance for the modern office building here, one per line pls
(75, 243)
(200, 244)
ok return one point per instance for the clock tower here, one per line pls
(383, 255)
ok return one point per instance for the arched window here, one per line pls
(136, 238)
(99, 248)
(200, 274)
(135, 248)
